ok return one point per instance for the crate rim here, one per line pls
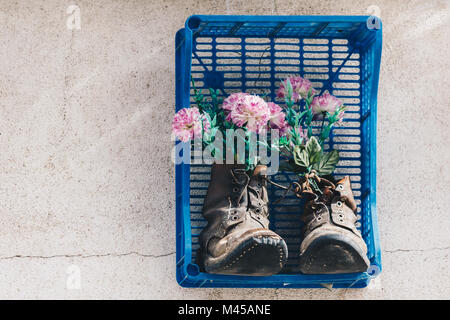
(192, 20)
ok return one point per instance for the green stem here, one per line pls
(321, 139)
(314, 184)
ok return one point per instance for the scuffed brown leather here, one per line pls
(331, 242)
(336, 206)
(345, 192)
(235, 203)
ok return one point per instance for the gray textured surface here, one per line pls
(85, 170)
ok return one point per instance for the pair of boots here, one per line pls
(237, 239)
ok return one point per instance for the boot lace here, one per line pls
(236, 174)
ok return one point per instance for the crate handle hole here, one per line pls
(192, 269)
(194, 23)
(373, 271)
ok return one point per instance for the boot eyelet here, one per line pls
(234, 218)
(339, 204)
(258, 210)
(259, 185)
(258, 217)
(235, 189)
(319, 218)
(340, 187)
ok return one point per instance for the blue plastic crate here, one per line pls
(252, 53)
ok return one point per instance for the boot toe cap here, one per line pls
(259, 252)
(334, 253)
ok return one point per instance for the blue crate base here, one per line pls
(252, 54)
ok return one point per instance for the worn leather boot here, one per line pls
(237, 239)
(331, 243)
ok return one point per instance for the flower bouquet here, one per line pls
(237, 238)
(331, 242)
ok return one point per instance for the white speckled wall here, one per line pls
(87, 206)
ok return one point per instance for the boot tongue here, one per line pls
(327, 195)
(345, 189)
(260, 170)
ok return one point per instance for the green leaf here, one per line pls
(301, 156)
(297, 117)
(290, 117)
(208, 117)
(289, 88)
(328, 163)
(315, 158)
(313, 148)
(213, 131)
(291, 167)
(326, 132)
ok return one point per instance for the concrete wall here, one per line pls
(86, 181)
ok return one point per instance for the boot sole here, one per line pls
(259, 254)
(333, 253)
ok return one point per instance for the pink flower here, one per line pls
(277, 119)
(247, 111)
(187, 124)
(233, 100)
(300, 88)
(325, 103)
